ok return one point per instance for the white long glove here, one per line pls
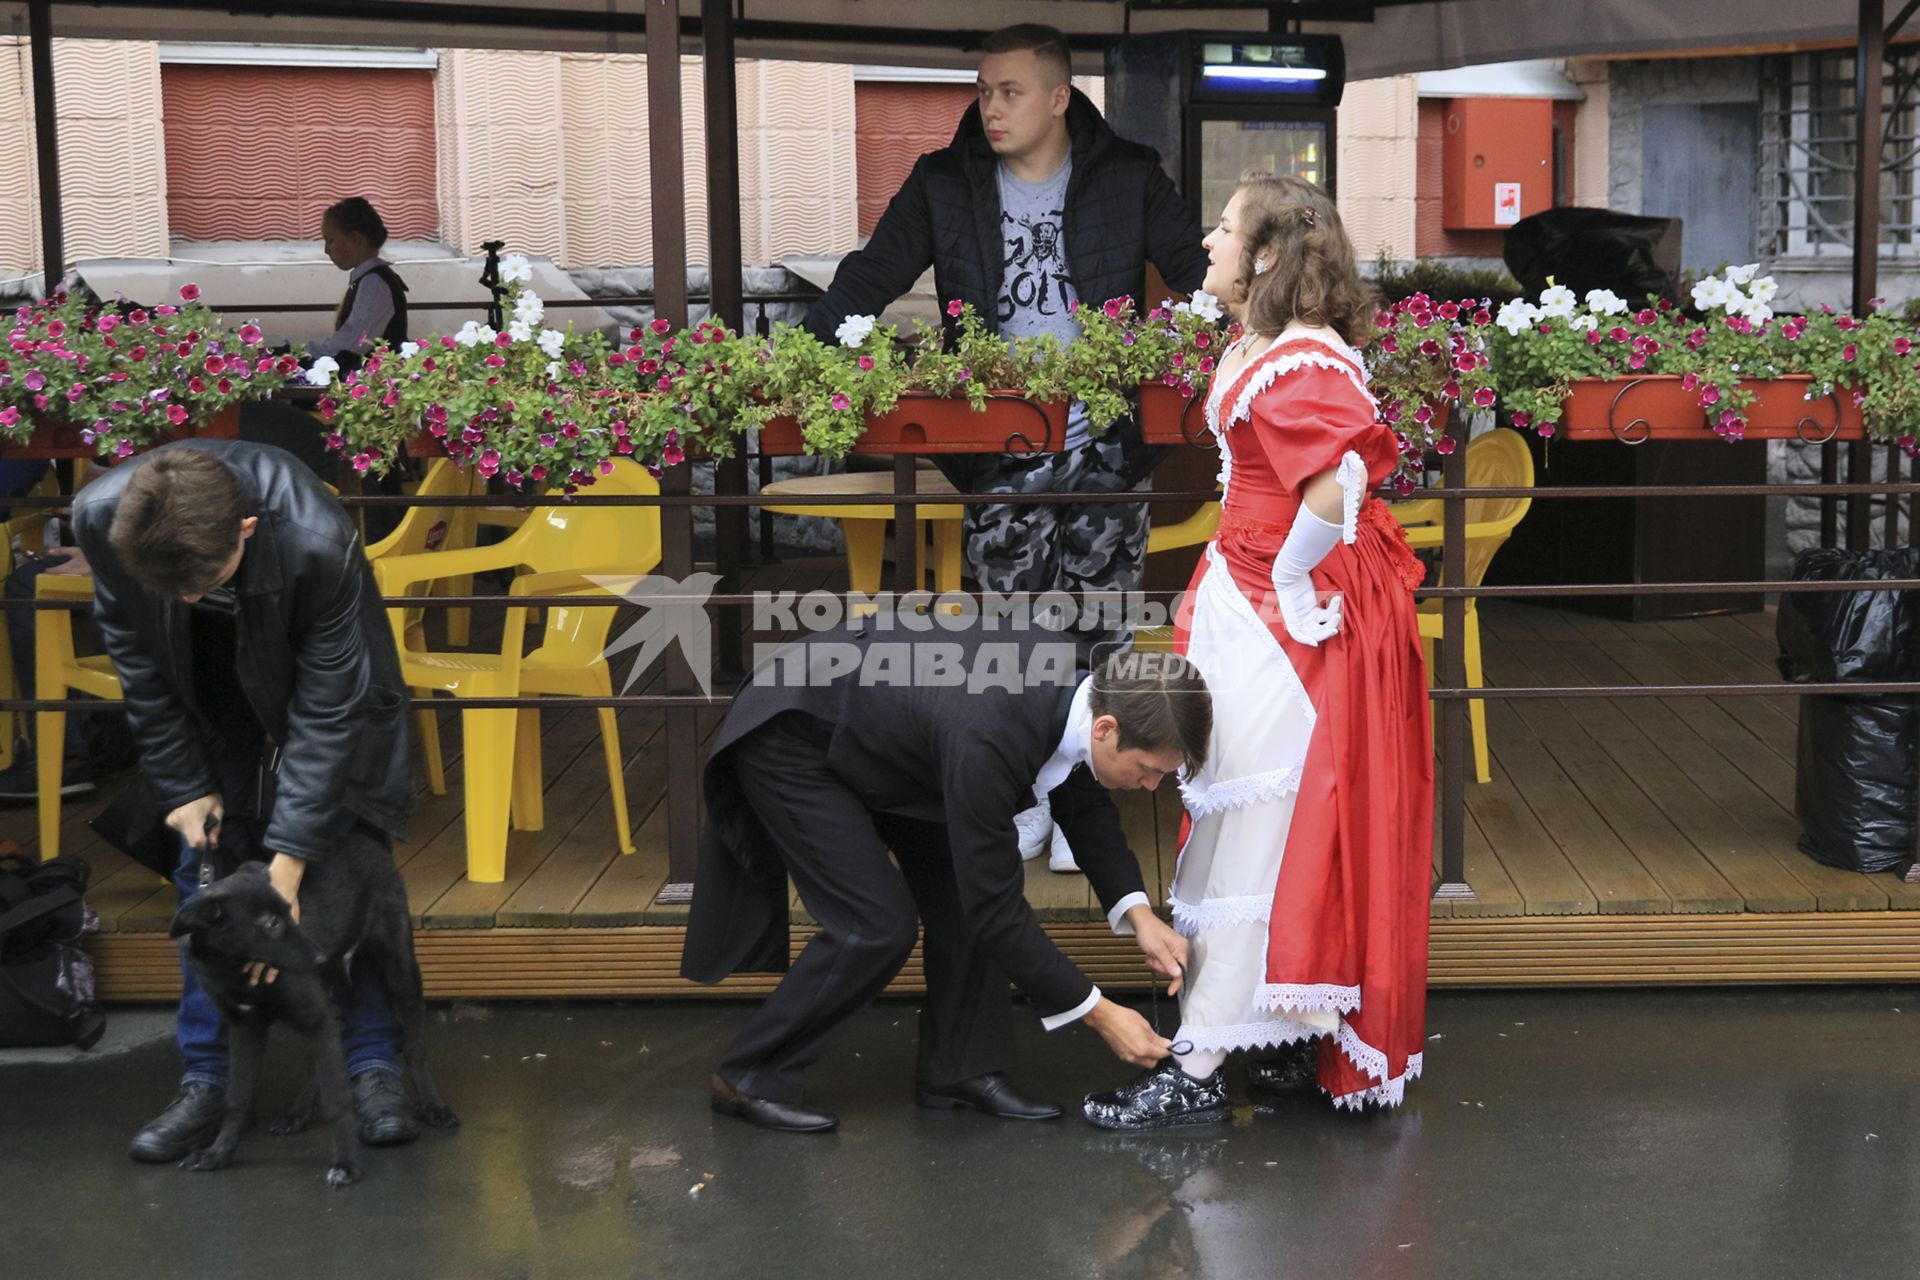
(1308, 543)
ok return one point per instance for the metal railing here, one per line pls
(1450, 691)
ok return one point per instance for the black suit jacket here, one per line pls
(315, 655)
(965, 758)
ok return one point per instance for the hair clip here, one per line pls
(1260, 266)
(1308, 216)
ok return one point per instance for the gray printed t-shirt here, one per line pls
(1036, 293)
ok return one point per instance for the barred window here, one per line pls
(1807, 155)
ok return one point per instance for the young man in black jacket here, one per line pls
(1034, 207)
(882, 773)
(264, 690)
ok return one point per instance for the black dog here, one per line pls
(353, 906)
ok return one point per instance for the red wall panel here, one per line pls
(258, 153)
(894, 125)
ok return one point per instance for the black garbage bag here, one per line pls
(1583, 249)
(1828, 636)
(1854, 792)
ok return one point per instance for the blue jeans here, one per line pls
(370, 1038)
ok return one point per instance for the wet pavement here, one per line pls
(1556, 1134)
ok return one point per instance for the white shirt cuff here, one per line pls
(1117, 918)
(1074, 1014)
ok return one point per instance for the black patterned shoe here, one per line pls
(1294, 1073)
(1162, 1096)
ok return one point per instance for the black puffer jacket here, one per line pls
(315, 655)
(1122, 212)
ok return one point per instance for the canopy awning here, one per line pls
(1401, 35)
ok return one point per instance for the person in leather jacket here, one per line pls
(233, 594)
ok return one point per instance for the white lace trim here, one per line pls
(1340, 360)
(1190, 918)
(1247, 1035)
(1238, 793)
(1352, 476)
(1389, 1093)
(1316, 997)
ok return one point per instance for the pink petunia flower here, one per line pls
(955, 307)
(190, 292)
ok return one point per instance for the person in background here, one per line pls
(374, 308)
(1035, 207)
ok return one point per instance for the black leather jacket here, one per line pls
(315, 655)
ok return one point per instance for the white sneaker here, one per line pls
(1061, 857)
(1033, 826)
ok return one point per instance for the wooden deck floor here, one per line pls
(1627, 840)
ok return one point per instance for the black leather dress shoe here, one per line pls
(1161, 1096)
(784, 1117)
(1294, 1073)
(188, 1124)
(384, 1111)
(989, 1093)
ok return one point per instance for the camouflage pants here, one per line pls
(1098, 546)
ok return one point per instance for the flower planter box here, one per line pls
(1169, 417)
(53, 438)
(923, 423)
(1657, 407)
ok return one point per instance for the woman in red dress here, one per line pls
(1306, 855)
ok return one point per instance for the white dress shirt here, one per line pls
(1076, 748)
(369, 317)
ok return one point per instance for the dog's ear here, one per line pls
(196, 912)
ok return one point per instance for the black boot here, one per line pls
(1164, 1095)
(1293, 1073)
(188, 1124)
(385, 1112)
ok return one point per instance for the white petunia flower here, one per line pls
(1585, 324)
(1759, 313)
(321, 371)
(520, 331)
(1517, 315)
(1557, 302)
(469, 334)
(554, 370)
(1764, 289)
(1605, 303)
(515, 269)
(529, 309)
(854, 330)
(1713, 292)
(1182, 309)
(1205, 305)
(552, 341)
(1740, 275)
(408, 350)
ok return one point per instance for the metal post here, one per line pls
(1869, 83)
(667, 183)
(906, 524)
(1455, 732)
(724, 269)
(46, 141)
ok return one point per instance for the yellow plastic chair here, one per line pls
(563, 549)
(29, 529)
(425, 529)
(865, 526)
(1496, 460)
(429, 528)
(57, 670)
(1195, 529)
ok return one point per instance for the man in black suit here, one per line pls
(864, 741)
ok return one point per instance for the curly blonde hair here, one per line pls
(1310, 276)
